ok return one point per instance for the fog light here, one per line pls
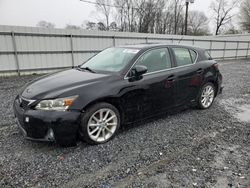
(27, 119)
(50, 135)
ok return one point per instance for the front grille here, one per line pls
(25, 103)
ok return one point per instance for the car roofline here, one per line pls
(145, 46)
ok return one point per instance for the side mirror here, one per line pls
(137, 72)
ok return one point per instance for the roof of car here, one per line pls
(152, 45)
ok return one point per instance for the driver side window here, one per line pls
(155, 60)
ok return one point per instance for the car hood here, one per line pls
(58, 83)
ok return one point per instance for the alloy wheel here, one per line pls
(102, 125)
(207, 96)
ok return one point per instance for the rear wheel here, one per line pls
(206, 96)
(99, 123)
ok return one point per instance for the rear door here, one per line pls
(188, 74)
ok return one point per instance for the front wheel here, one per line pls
(206, 96)
(99, 123)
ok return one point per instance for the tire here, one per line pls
(94, 128)
(203, 96)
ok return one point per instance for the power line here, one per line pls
(109, 5)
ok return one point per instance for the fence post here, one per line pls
(236, 55)
(224, 50)
(146, 38)
(15, 52)
(72, 50)
(193, 42)
(113, 40)
(247, 49)
(172, 40)
(210, 47)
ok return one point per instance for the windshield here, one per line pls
(111, 59)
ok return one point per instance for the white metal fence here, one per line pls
(34, 50)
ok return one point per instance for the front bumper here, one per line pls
(58, 126)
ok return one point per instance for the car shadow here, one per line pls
(164, 115)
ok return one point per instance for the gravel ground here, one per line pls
(188, 148)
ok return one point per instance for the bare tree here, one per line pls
(127, 11)
(101, 26)
(150, 16)
(197, 23)
(113, 26)
(104, 7)
(119, 4)
(91, 25)
(178, 7)
(45, 24)
(70, 26)
(231, 29)
(168, 20)
(222, 10)
(245, 15)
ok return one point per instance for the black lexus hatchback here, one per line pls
(119, 85)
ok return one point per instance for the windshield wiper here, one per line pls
(86, 68)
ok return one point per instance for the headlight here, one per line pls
(60, 104)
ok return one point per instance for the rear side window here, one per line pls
(184, 56)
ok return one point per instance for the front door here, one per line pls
(155, 91)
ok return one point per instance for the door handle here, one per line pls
(171, 78)
(199, 71)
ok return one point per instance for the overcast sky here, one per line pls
(59, 12)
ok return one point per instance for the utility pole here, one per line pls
(186, 17)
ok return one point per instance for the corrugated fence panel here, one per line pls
(218, 45)
(7, 63)
(43, 50)
(40, 43)
(165, 41)
(229, 53)
(231, 45)
(44, 61)
(91, 43)
(202, 44)
(243, 45)
(184, 42)
(124, 41)
(6, 43)
(241, 52)
(217, 54)
(82, 57)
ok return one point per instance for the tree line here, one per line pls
(166, 17)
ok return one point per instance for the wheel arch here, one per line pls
(214, 82)
(111, 100)
(210, 77)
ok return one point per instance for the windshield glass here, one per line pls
(111, 59)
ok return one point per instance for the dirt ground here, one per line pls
(187, 148)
